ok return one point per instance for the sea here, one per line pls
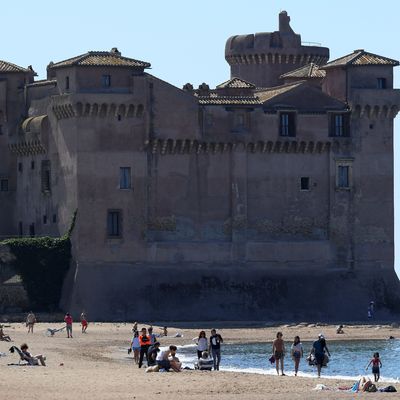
(348, 359)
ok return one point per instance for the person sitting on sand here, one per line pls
(339, 330)
(32, 360)
(278, 350)
(204, 363)
(3, 336)
(166, 359)
(154, 349)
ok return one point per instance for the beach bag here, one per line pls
(390, 389)
(371, 388)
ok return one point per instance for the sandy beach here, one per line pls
(95, 365)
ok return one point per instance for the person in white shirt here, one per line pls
(202, 344)
(297, 353)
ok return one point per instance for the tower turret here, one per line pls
(262, 58)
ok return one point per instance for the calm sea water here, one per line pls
(348, 358)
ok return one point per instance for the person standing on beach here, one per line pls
(202, 344)
(297, 353)
(152, 336)
(84, 322)
(318, 349)
(68, 321)
(376, 365)
(215, 348)
(278, 350)
(144, 341)
(30, 321)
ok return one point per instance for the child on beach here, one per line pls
(84, 322)
(376, 365)
(297, 353)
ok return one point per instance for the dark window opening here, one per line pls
(32, 230)
(125, 178)
(287, 124)
(32, 164)
(106, 80)
(340, 125)
(46, 176)
(114, 223)
(44, 219)
(305, 183)
(4, 185)
(1, 129)
(381, 83)
(119, 117)
(54, 218)
(67, 83)
(343, 176)
(20, 166)
(20, 229)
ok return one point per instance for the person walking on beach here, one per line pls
(30, 321)
(68, 321)
(297, 353)
(278, 350)
(376, 365)
(84, 322)
(202, 344)
(152, 336)
(135, 347)
(318, 349)
(144, 341)
(215, 348)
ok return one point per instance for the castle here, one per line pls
(268, 197)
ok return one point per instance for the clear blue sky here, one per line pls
(184, 40)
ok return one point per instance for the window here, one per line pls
(125, 178)
(4, 185)
(239, 121)
(304, 183)
(114, 223)
(381, 83)
(44, 219)
(67, 83)
(54, 218)
(20, 166)
(32, 230)
(46, 176)
(32, 164)
(1, 129)
(339, 125)
(20, 229)
(344, 174)
(287, 124)
(106, 80)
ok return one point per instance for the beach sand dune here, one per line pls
(96, 366)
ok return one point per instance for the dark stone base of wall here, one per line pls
(191, 292)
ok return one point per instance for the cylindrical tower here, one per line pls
(262, 57)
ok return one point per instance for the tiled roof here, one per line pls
(101, 58)
(267, 94)
(43, 82)
(307, 71)
(214, 99)
(360, 57)
(236, 83)
(9, 67)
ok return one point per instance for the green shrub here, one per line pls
(42, 263)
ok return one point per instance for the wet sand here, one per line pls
(96, 366)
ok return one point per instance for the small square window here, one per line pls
(125, 178)
(381, 83)
(106, 80)
(114, 223)
(304, 183)
(4, 185)
(287, 124)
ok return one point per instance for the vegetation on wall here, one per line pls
(42, 263)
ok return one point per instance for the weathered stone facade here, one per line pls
(279, 180)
